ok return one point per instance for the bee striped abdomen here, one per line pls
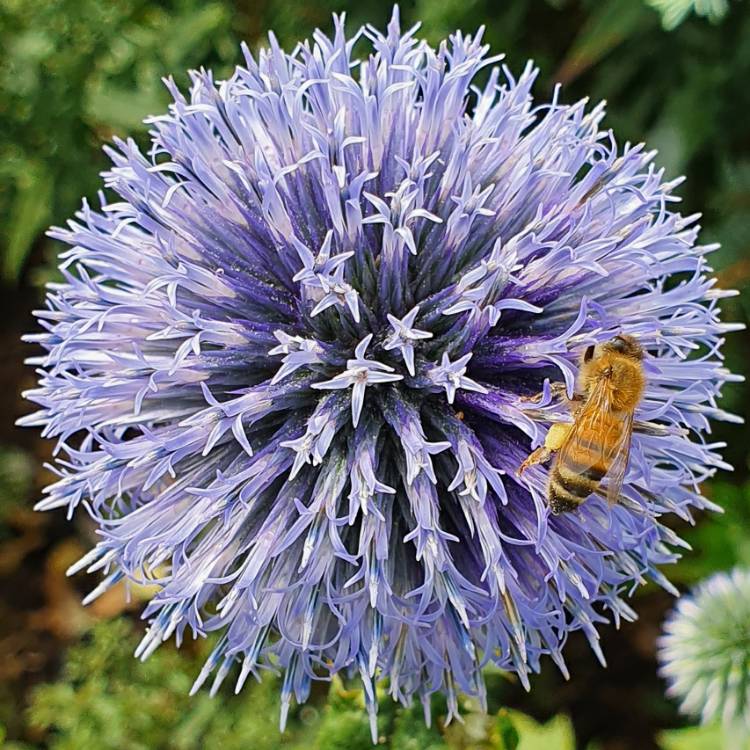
(580, 469)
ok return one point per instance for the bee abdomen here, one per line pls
(571, 483)
(560, 500)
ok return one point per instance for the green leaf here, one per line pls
(556, 733)
(28, 216)
(411, 733)
(509, 737)
(609, 25)
(708, 737)
(719, 541)
(120, 107)
(191, 30)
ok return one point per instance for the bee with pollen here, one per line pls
(596, 444)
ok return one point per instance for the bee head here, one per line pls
(622, 344)
(626, 345)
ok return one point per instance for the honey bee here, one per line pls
(597, 443)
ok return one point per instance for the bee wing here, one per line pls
(596, 419)
(616, 473)
(588, 422)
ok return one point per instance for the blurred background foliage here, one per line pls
(73, 73)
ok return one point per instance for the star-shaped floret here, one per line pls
(360, 372)
(451, 376)
(337, 292)
(325, 272)
(403, 336)
(323, 263)
(299, 352)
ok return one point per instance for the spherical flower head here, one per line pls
(289, 365)
(705, 653)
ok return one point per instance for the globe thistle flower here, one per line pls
(705, 653)
(287, 366)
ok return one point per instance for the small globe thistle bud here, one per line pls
(705, 653)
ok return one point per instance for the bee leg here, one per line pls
(540, 456)
(558, 392)
(552, 443)
(555, 392)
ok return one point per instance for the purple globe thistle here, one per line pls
(286, 368)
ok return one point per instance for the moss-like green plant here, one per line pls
(105, 699)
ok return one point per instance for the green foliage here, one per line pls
(108, 700)
(557, 733)
(73, 73)
(411, 733)
(723, 542)
(11, 745)
(730, 204)
(509, 737)
(16, 470)
(709, 737)
(344, 730)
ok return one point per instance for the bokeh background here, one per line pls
(73, 73)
